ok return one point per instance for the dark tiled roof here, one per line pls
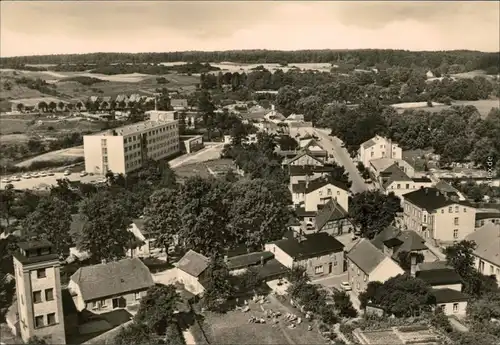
(113, 278)
(409, 240)
(246, 260)
(297, 170)
(449, 296)
(395, 175)
(331, 211)
(193, 263)
(311, 246)
(487, 240)
(272, 269)
(301, 212)
(445, 187)
(487, 215)
(366, 256)
(421, 179)
(302, 154)
(439, 276)
(393, 242)
(429, 199)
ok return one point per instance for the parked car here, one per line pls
(26, 176)
(6, 180)
(83, 174)
(67, 173)
(345, 286)
(16, 178)
(42, 174)
(50, 173)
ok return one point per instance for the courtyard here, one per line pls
(234, 327)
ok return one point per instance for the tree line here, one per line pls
(371, 57)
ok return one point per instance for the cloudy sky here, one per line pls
(57, 27)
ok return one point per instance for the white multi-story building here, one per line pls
(378, 147)
(38, 289)
(125, 149)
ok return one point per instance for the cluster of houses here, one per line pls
(433, 211)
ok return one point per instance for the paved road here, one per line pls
(205, 154)
(334, 146)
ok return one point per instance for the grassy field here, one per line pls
(112, 85)
(483, 106)
(13, 128)
(234, 328)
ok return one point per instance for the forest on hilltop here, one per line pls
(471, 60)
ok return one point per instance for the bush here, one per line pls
(174, 336)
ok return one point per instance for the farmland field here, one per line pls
(483, 106)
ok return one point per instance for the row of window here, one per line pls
(328, 192)
(151, 132)
(320, 269)
(455, 307)
(492, 269)
(40, 320)
(37, 295)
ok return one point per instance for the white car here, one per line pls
(16, 178)
(345, 286)
(26, 176)
(83, 174)
(50, 173)
(6, 180)
(42, 174)
(67, 173)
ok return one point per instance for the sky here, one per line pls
(64, 27)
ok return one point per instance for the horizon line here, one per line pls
(256, 49)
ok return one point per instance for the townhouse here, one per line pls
(437, 216)
(378, 147)
(487, 251)
(319, 192)
(383, 167)
(366, 263)
(332, 219)
(320, 254)
(399, 183)
(107, 286)
(446, 285)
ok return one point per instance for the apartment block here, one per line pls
(437, 216)
(378, 147)
(125, 149)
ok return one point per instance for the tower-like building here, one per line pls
(38, 289)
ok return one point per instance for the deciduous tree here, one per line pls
(157, 308)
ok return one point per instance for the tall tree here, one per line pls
(157, 308)
(218, 285)
(105, 234)
(162, 218)
(136, 333)
(373, 211)
(51, 221)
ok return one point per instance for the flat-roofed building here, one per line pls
(125, 149)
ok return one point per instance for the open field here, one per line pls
(234, 328)
(111, 86)
(483, 106)
(237, 67)
(203, 169)
(29, 125)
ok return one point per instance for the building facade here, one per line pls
(38, 289)
(125, 149)
(378, 147)
(434, 215)
(320, 254)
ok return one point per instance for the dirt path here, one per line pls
(188, 336)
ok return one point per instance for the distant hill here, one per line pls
(471, 59)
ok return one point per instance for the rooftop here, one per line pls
(113, 278)
(330, 212)
(303, 187)
(366, 256)
(135, 128)
(193, 263)
(430, 199)
(436, 277)
(249, 259)
(396, 175)
(381, 164)
(487, 240)
(486, 215)
(311, 245)
(421, 179)
(400, 241)
(449, 296)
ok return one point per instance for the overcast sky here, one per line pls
(58, 27)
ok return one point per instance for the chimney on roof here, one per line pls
(413, 267)
(262, 261)
(446, 195)
(103, 261)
